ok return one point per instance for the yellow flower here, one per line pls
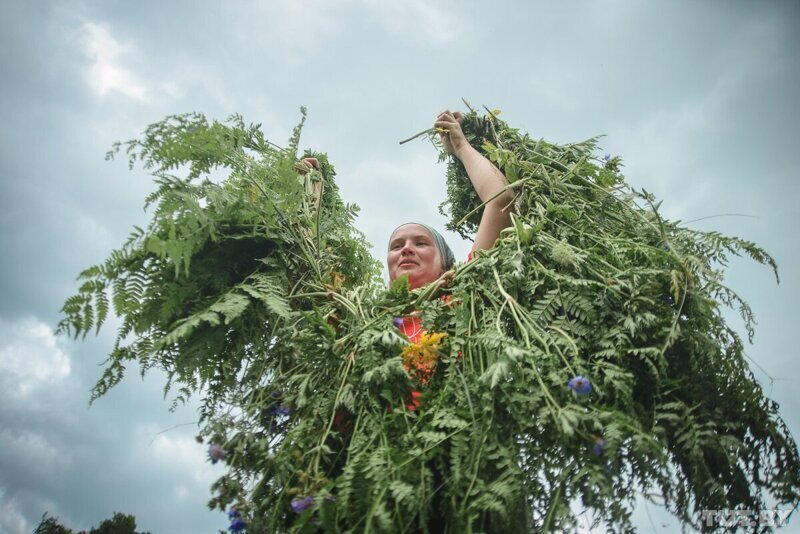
(420, 358)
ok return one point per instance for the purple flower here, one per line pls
(234, 513)
(606, 158)
(282, 410)
(398, 322)
(668, 299)
(599, 447)
(302, 504)
(580, 385)
(216, 453)
(237, 525)
(275, 394)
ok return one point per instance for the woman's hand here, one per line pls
(306, 164)
(453, 139)
(303, 167)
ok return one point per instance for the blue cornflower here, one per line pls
(398, 321)
(302, 504)
(599, 447)
(580, 385)
(216, 453)
(282, 410)
(237, 525)
(234, 513)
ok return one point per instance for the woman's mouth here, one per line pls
(407, 263)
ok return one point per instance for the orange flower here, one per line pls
(420, 358)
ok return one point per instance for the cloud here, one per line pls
(299, 28)
(30, 356)
(415, 17)
(106, 73)
(175, 453)
(12, 520)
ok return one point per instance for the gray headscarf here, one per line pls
(445, 253)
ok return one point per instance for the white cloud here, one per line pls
(178, 452)
(12, 521)
(106, 73)
(30, 356)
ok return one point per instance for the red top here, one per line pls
(411, 326)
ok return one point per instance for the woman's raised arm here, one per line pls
(487, 180)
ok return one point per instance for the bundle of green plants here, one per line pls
(579, 365)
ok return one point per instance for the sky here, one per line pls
(699, 99)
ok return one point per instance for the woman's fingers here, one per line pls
(306, 164)
(448, 120)
(446, 116)
(448, 125)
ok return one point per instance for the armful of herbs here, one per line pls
(486, 178)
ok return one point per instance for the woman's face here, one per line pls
(412, 251)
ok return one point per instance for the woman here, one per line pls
(420, 251)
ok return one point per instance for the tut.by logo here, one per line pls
(746, 518)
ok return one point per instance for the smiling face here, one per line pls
(412, 251)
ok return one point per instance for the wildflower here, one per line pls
(607, 158)
(233, 513)
(216, 453)
(580, 385)
(668, 299)
(237, 525)
(599, 447)
(398, 322)
(282, 410)
(421, 357)
(302, 504)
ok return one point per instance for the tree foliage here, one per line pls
(274, 313)
(118, 524)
